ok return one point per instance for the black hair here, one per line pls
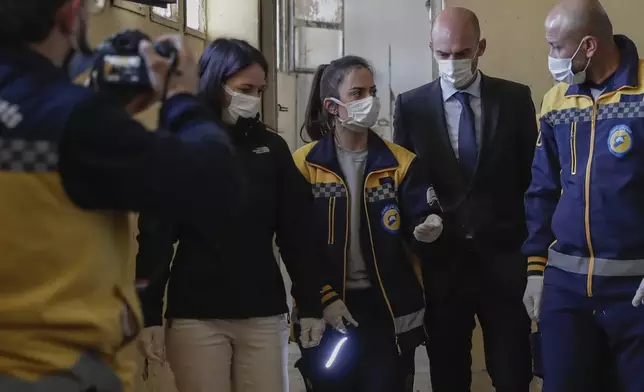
(326, 82)
(220, 61)
(428, 4)
(27, 21)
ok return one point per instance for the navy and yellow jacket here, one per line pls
(585, 209)
(72, 164)
(395, 201)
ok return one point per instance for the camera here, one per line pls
(116, 66)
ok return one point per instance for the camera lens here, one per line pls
(123, 43)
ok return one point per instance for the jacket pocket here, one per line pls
(331, 221)
(573, 148)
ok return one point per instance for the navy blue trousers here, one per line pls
(588, 339)
(461, 284)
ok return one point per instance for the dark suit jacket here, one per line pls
(486, 212)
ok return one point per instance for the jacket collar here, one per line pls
(627, 75)
(379, 156)
(31, 61)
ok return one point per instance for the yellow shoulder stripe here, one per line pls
(404, 158)
(299, 156)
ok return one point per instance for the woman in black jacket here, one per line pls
(227, 327)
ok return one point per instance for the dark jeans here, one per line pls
(460, 284)
(370, 359)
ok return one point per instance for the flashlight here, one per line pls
(335, 345)
(336, 351)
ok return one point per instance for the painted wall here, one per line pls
(516, 46)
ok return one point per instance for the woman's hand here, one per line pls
(152, 343)
(311, 332)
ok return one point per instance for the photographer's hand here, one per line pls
(183, 80)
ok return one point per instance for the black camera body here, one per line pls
(116, 65)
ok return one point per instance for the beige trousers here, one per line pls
(249, 355)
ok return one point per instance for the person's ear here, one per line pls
(591, 46)
(67, 15)
(482, 47)
(330, 106)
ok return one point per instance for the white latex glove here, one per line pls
(532, 296)
(152, 343)
(311, 333)
(638, 299)
(335, 315)
(430, 230)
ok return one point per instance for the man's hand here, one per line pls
(152, 343)
(336, 314)
(532, 296)
(311, 332)
(430, 230)
(184, 79)
(638, 299)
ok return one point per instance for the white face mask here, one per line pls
(241, 105)
(457, 73)
(561, 69)
(362, 114)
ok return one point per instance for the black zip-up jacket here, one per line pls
(232, 273)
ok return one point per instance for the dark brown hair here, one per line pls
(27, 21)
(326, 82)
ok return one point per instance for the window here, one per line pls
(311, 33)
(186, 16)
(169, 16)
(170, 12)
(196, 15)
(134, 7)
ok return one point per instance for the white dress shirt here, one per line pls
(453, 110)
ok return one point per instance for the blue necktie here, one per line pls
(467, 149)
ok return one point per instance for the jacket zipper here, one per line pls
(346, 237)
(331, 239)
(573, 148)
(589, 164)
(375, 261)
